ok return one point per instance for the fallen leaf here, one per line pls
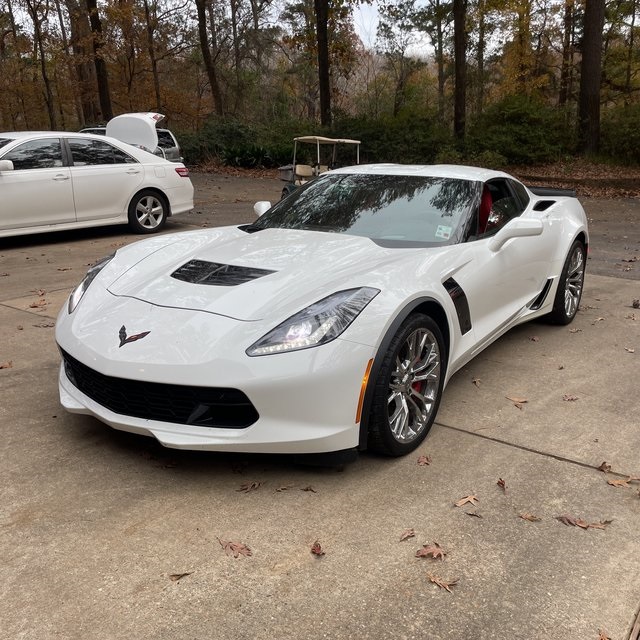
(603, 635)
(575, 330)
(441, 583)
(474, 514)
(529, 517)
(406, 534)
(583, 524)
(178, 576)
(316, 549)
(517, 400)
(600, 525)
(629, 349)
(309, 488)
(3, 275)
(45, 325)
(64, 268)
(561, 367)
(502, 484)
(605, 467)
(6, 365)
(38, 305)
(40, 292)
(467, 500)
(569, 398)
(235, 549)
(434, 550)
(477, 382)
(597, 320)
(284, 487)
(636, 304)
(249, 486)
(534, 338)
(633, 479)
(618, 483)
(424, 461)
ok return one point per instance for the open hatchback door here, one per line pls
(138, 129)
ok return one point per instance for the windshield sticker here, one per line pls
(443, 232)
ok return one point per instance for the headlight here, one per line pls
(319, 323)
(94, 270)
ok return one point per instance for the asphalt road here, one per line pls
(106, 535)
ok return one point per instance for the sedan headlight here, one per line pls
(318, 324)
(93, 271)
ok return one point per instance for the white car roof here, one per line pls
(16, 135)
(434, 170)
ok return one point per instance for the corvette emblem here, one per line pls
(124, 339)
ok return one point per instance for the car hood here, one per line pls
(255, 274)
(138, 129)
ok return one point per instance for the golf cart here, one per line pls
(323, 159)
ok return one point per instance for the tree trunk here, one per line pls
(207, 59)
(102, 76)
(480, 57)
(460, 64)
(590, 77)
(151, 27)
(322, 36)
(566, 71)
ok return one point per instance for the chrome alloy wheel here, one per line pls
(414, 384)
(149, 212)
(574, 281)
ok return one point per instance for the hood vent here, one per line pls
(213, 273)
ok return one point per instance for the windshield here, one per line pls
(393, 210)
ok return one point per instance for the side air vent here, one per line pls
(460, 302)
(543, 205)
(213, 273)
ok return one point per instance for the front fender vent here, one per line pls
(213, 273)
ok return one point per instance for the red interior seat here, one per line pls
(485, 209)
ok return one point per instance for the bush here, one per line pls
(521, 129)
(620, 134)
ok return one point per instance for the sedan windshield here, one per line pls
(393, 210)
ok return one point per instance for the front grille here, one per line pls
(213, 273)
(196, 406)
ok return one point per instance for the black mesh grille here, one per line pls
(224, 275)
(197, 406)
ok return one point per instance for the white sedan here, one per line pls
(332, 323)
(52, 181)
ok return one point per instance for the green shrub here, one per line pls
(620, 134)
(521, 129)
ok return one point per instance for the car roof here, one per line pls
(460, 172)
(16, 135)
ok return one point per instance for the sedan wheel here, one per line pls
(147, 212)
(570, 285)
(408, 388)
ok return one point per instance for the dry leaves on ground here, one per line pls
(603, 635)
(38, 305)
(534, 339)
(575, 330)
(605, 467)
(570, 521)
(477, 382)
(285, 487)
(406, 534)
(424, 461)
(6, 365)
(249, 486)
(529, 517)
(434, 550)
(470, 499)
(441, 583)
(502, 484)
(235, 549)
(178, 576)
(569, 398)
(629, 349)
(619, 482)
(309, 488)
(316, 549)
(517, 401)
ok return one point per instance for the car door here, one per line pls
(104, 178)
(501, 283)
(38, 190)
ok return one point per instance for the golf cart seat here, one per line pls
(304, 171)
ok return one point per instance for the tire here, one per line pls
(148, 212)
(408, 389)
(570, 286)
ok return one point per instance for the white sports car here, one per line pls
(56, 180)
(332, 323)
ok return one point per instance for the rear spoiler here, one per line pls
(551, 192)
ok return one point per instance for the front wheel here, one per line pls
(408, 388)
(570, 285)
(148, 212)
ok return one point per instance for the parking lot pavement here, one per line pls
(94, 523)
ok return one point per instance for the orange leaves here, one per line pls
(424, 461)
(570, 521)
(6, 365)
(406, 534)
(517, 401)
(529, 517)
(442, 583)
(316, 549)
(473, 500)
(235, 549)
(434, 550)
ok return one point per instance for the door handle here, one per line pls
(133, 172)
(60, 177)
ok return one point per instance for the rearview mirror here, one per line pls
(6, 165)
(516, 228)
(261, 207)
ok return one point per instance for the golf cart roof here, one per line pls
(322, 140)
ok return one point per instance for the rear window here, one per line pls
(165, 140)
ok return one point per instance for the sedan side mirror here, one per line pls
(6, 165)
(515, 228)
(261, 207)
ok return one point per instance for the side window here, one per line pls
(521, 192)
(36, 154)
(165, 140)
(86, 152)
(501, 206)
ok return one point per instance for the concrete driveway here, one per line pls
(96, 526)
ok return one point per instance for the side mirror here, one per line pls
(6, 165)
(516, 228)
(261, 207)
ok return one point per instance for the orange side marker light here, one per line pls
(363, 389)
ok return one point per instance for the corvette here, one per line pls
(332, 323)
